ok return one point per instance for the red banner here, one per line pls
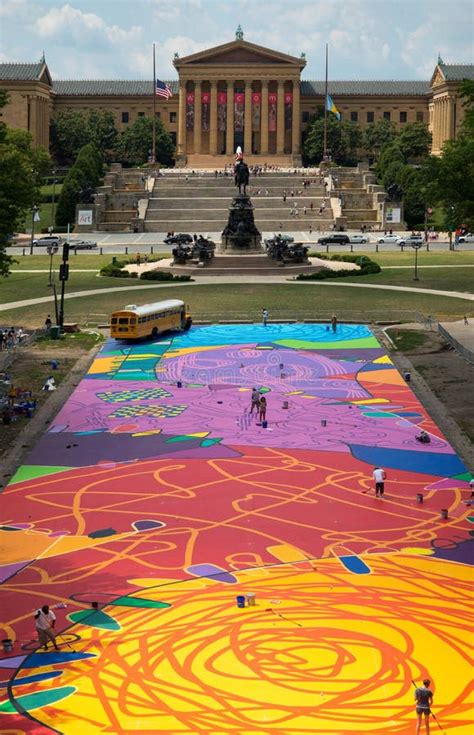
(272, 111)
(256, 108)
(221, 111)
(190, 111)
(239, 107)
(205, 103)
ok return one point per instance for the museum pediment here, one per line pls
(438, 78)
(239, 53)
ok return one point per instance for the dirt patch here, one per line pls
(31, 367)
(439, 370)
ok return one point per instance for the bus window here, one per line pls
(123, 320)
(114, 320)
(133, 320)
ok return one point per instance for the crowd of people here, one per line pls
(11, 337)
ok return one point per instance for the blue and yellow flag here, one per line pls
(331, 107)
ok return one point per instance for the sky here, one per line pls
(113, 39)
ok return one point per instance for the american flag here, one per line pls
(162, 89)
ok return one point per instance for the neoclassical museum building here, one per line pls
(237, 93)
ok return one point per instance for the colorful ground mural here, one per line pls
(156, 494)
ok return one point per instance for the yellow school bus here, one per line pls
(150, 320)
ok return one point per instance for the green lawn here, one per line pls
(284, 301)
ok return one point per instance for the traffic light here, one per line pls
(66, 251)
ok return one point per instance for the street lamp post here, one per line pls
(416, 247)
(53, 202)
(52, 250)
(34, 217)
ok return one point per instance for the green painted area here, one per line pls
(348, 344)
(37, 699)
(380, 415)
(180, 438)
(32, 472)
(470, 519)
(95, 619)
(126, 601)
(467, 476)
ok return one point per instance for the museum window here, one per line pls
(419, 116)
(141, 114)
(158, 114)
(125, 117)
(370, 117)
(173, 117)
(173, 138)
(403, 117)
(305, 116)
(354, 116)
(386, 116)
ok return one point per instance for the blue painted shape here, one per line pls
(212, 571)
(354, 564)
(409, 460)
(31, 679)
(412, 414)
(37, 660)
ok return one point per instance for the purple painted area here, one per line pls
(147, 525)
(8, 570)
(11, 663)
(212, 571)
(462, 552)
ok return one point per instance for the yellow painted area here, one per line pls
(170, 354)
(147, 433)
(370, 401)
(322, 651)
(417, 550)
(287, 553)
(384, 360)
(105, 365)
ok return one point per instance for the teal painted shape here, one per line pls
(95, 619)
(36, 700)
(126, 601)
(180, 438)
(380, 415)
(210, 442)
(470, 519)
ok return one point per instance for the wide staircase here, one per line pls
(199, 202)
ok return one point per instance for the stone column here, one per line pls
(264, 119)
(213, 120)
(280, 118)
(296, 122)
(34, 119)
(197, 116)
(182, 120)
(248, 119)
(230, 118)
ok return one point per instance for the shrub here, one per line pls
(365, 264)
(163, 276)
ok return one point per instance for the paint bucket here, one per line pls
(251, 599)
(264, 424)
(407, 376)
(240, 600)
(179, 384)
(419, 497)
(7, 645)
(285, 404)
(444, 514)
(324, 422)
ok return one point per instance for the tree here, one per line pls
(466, 92)
(414, 140)
(71, 130)
(343, 140)
(82, 177)
(377, 135)
(135, 143)
(21, 166)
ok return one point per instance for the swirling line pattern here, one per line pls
(354, 597)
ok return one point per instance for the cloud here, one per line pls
(12, 8)
(70, 22)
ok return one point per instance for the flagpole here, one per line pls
(153, 146)
(325, 144)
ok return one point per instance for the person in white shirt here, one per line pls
(379, 476)
(45, 622)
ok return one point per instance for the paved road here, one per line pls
(120, 243)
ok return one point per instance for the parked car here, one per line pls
(466, 238)
(82, 244)
(358, 239)
(181, 238)
(412, 240)
(43, 242)
(389, 238)
(337, 238)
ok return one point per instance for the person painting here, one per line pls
(255, 400)
(424, 700)
(262, 409)
(379, 476)
(45, 622)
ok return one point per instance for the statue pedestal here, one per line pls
(241, 234)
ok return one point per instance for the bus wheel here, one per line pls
(154, 333)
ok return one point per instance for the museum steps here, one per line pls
(208, 161)
(356, 202)
(200, 203)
